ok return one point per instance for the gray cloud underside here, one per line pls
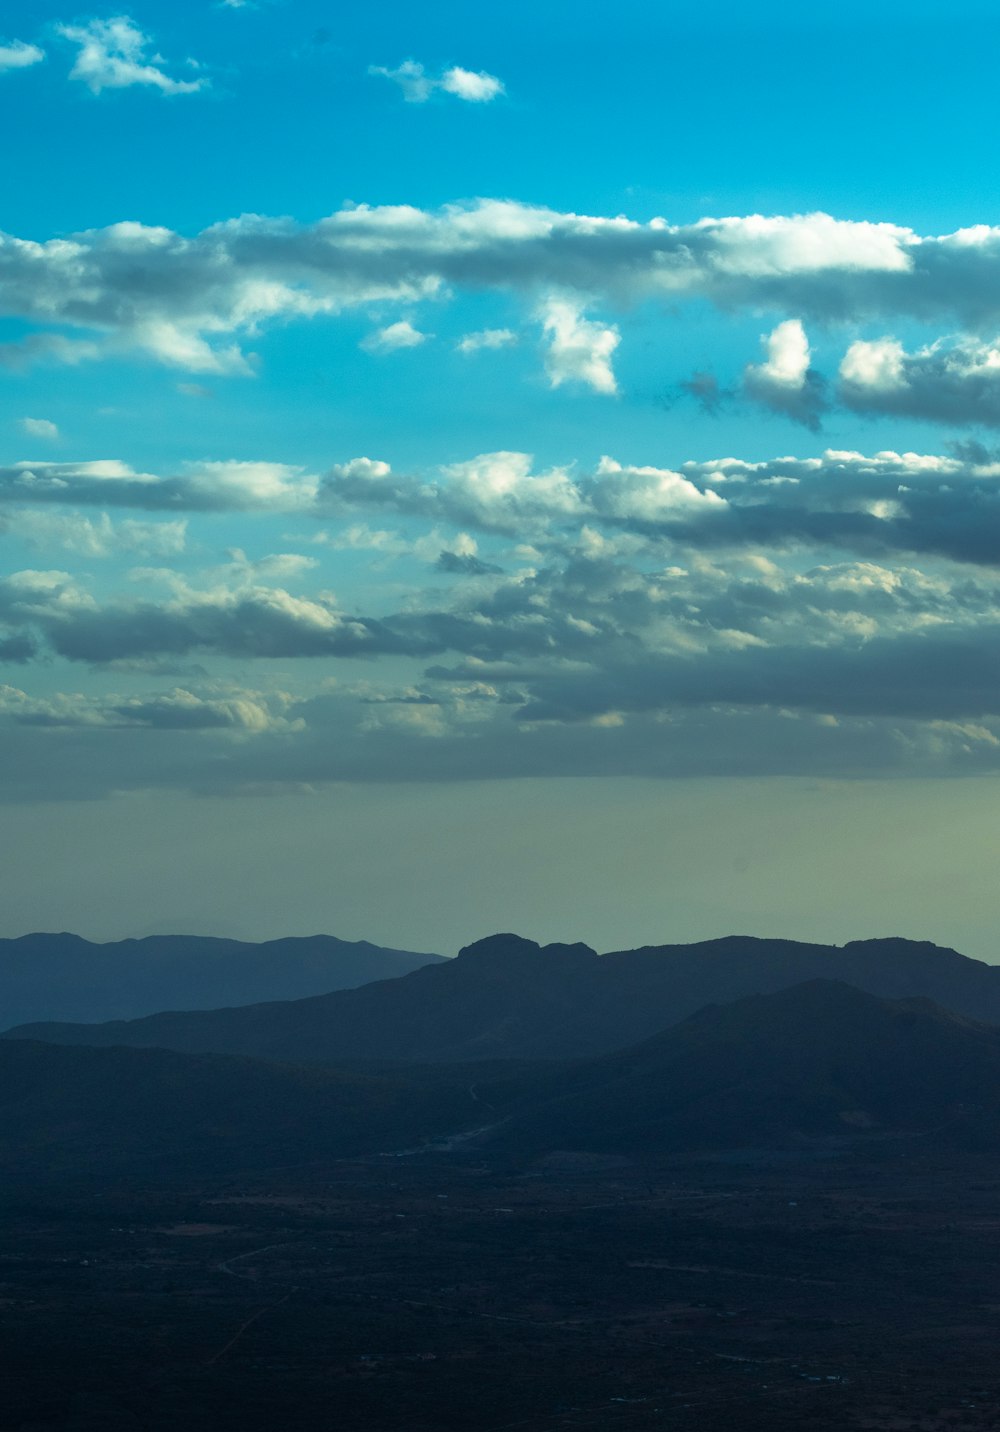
(956, 382)
(872, 505)
(85, 762)
(187, 300)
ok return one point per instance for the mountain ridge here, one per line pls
(61, 976)
(508, 997)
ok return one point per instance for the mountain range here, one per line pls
(64, 977)
(509, 998)
(818, 1060)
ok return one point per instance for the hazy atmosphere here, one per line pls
(534, 469)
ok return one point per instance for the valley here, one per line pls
(432, 1293)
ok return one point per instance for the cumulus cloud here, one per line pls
(579, 350)
(40, 428)
(949, 381)
(113, 54)
(494, 491)
(475, 87)
(393, 337)
(486, 338)
(19, 55)
(786, 382)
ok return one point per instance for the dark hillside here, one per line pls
(821, 1059)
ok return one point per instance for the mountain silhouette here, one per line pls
(506, 997)
(64, 977)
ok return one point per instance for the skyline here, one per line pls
(452, 466)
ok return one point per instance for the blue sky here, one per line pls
(408, 398)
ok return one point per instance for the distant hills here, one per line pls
(64, 977)
(508, 998)
(818, 1060)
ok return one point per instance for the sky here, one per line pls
(531, 468)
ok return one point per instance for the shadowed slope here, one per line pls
(816, 1060)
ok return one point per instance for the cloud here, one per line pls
(706, 390)
(475, 87)
(249, 621)
(579, 350)
(19, 55)
(950, 381)
(393, 337)
(190, 302)
(200, 487)
(495, 491)
(466, 564)
(946, 505)
(786, 382)
(40, 428)
(47, 348)
(94, 537)
(486, 338)
(243, 713)
(836, 614)
(112, 54)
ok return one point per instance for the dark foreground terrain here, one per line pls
(829, 1289)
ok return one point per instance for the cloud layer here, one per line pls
(838, 615)
(190, 302)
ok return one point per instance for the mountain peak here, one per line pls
(499, 945)
(508, 948)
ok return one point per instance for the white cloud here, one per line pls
(395, 336)
(18, 55)
(785, 381)
(475, 87)
(579, 349)
(40, 428)
(874, 366)
(113, 55)
(647, 493)
(486, 338)
(787, 356)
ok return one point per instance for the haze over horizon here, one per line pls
(467, 470)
